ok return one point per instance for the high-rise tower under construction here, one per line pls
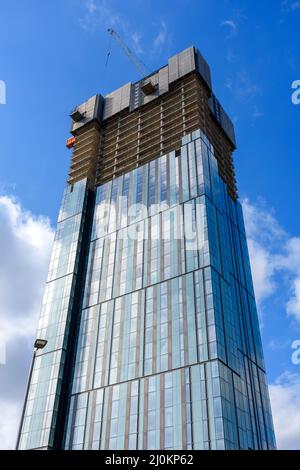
(149, 314)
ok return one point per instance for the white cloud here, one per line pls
(242, 86)
(290, 5)
(99, 13)
(295, 5)
(25, 244)
(274, 255)
(262, 269)
(257, 113)
(137, 45)
(293, 305)
(262, 223)
(10, 417)
(91, 6)
(231, 24)
(285, 401)
(231, 56)
(161, 36)
(264, 233)
(162, 39)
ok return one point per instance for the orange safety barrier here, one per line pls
(70, 142)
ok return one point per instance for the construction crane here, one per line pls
(141, 67)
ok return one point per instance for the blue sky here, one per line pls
(54, 57)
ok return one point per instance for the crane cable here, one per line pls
(108, 52)
(139, 65)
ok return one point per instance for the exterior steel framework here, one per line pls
(149, 309)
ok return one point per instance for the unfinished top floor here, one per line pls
(141, 121)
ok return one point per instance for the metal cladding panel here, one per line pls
(203, 69)
(125, 95)
(173, 69)
(132, 96)
(117, 101)
(186, 61)
(222, 117)
(227, 126)
(182, 64)
(90, 109)
(163, 80)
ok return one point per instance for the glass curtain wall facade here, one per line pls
(167, 351)
(41, 408)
